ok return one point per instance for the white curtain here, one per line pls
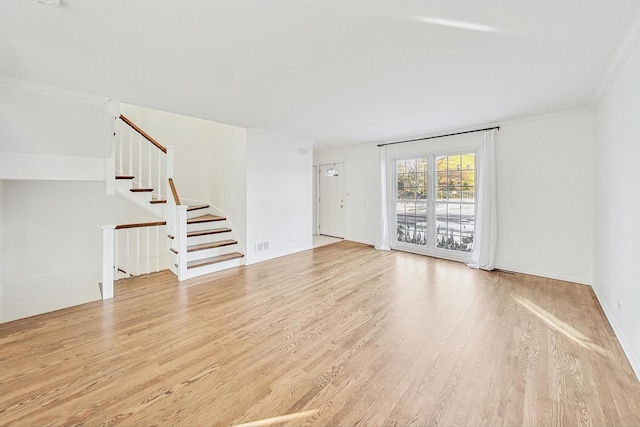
(382, 240)
(486, 233)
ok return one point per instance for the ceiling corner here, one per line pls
(618, 60)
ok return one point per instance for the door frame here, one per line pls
(318, 201)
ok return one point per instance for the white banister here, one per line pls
(159, 187)
(108, 232)
(148, 251)
(140, 177)
(130, 151)
(137, 251)
(149, 168)
(157, 248)
(171, 204)
(128, 252)
(121, 149)
(118, 253)
(181, 236)
(115, 256)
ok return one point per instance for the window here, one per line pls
(411, 202)
(435, 203)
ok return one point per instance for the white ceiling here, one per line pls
(336, 71)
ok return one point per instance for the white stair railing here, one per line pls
(139, 155)
(132, 250)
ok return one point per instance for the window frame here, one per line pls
(431, 152)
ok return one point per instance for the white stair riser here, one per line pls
(123, 187)
(207, 226)
(207, 269)
(209, 238)
(199, 212)
(208, 253)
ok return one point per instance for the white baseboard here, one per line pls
(33, 296)
(634, 361)
(543, 274)
(269, 256)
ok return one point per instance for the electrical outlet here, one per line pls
(619, 305)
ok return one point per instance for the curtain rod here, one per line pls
(439, 136)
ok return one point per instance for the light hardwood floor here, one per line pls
(340, 335)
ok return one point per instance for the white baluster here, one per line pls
(137, 251)
(169, 169)
(157, 249)
(140, 177)
(181, 235)
(149, 165)
(130, 151)
(148, 252)
(120, 165)
(171, 212)
(159, 187)
(115, 255)
(128, 254)
(108, 232)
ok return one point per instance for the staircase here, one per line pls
(200, 238)
(207, 244)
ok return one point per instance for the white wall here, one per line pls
(48, 133)
(227, 178)
(361, 182)
(1, 250)
(279, 194)
(545, 204)
(545, 197)
(617, 206)
(53, 242)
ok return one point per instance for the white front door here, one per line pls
(332, 200)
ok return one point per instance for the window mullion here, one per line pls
(431, 205)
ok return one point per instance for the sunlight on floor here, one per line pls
(320, 240)
(280, 419)
(559, 326)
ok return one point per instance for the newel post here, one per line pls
(181, 236)
(170, 159)
(113, 108)
(108, 238)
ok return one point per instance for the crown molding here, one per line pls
(12, 83)
(620, 57)
(501, 123)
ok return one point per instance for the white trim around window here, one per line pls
(466, 144)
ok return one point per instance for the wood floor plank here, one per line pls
(339, 335)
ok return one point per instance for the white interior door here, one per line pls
(332, 200)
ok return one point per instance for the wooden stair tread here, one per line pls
(205, 218)
(213, 260)
(141, 190)
(207, 232)
(210, 245)
(158, 201)
(125, 177)
(196, 207)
